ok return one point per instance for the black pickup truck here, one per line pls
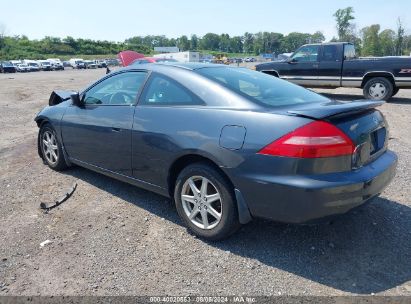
(333, 65)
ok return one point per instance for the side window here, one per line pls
(162, 90)
(308, 53)
(119, 89)
(330, 53)
(349, 52)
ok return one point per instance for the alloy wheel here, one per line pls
(50, 148)
(202, 202)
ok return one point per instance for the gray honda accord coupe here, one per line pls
(226, 144)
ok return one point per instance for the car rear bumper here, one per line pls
(305, 198)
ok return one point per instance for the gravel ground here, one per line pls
(111, 238)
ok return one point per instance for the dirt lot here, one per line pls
(111, 238)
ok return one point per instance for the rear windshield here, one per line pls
(261, 88)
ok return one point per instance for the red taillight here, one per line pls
(316, 139)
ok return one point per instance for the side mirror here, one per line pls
(77, 101)
(292, 60)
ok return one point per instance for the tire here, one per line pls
(395, 91)
(225, 206)
(378, 88)
(51, 148)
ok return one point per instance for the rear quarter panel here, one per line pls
(161, 135)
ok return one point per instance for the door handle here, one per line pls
(315, 65)
(115, 129)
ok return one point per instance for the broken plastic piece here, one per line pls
(48, 206)
(42, 244)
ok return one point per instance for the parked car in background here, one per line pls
(45, 65)
(113, 62)
(152, 60)
(77, 63)
(100, 63)
(56, 64)
(227, 144)
(16, 62)
(22, 67)
(334, 65)
(7, 67)
(66, 64)
(90, 64)
(34, 66)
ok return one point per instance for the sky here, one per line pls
(117, 21)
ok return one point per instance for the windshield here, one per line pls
(261, 88)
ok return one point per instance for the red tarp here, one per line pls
(127, 57)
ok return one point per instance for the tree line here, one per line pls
(253, 44)
(370, 41)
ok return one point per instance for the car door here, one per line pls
(99, 133)
(329, 71)
(303, 66)
(162, 116)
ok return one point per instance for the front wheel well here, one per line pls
(41, 121)
(186, 160)
(272, 73)
(378, 74)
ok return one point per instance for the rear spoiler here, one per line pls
(57, 97)
(334, 108)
